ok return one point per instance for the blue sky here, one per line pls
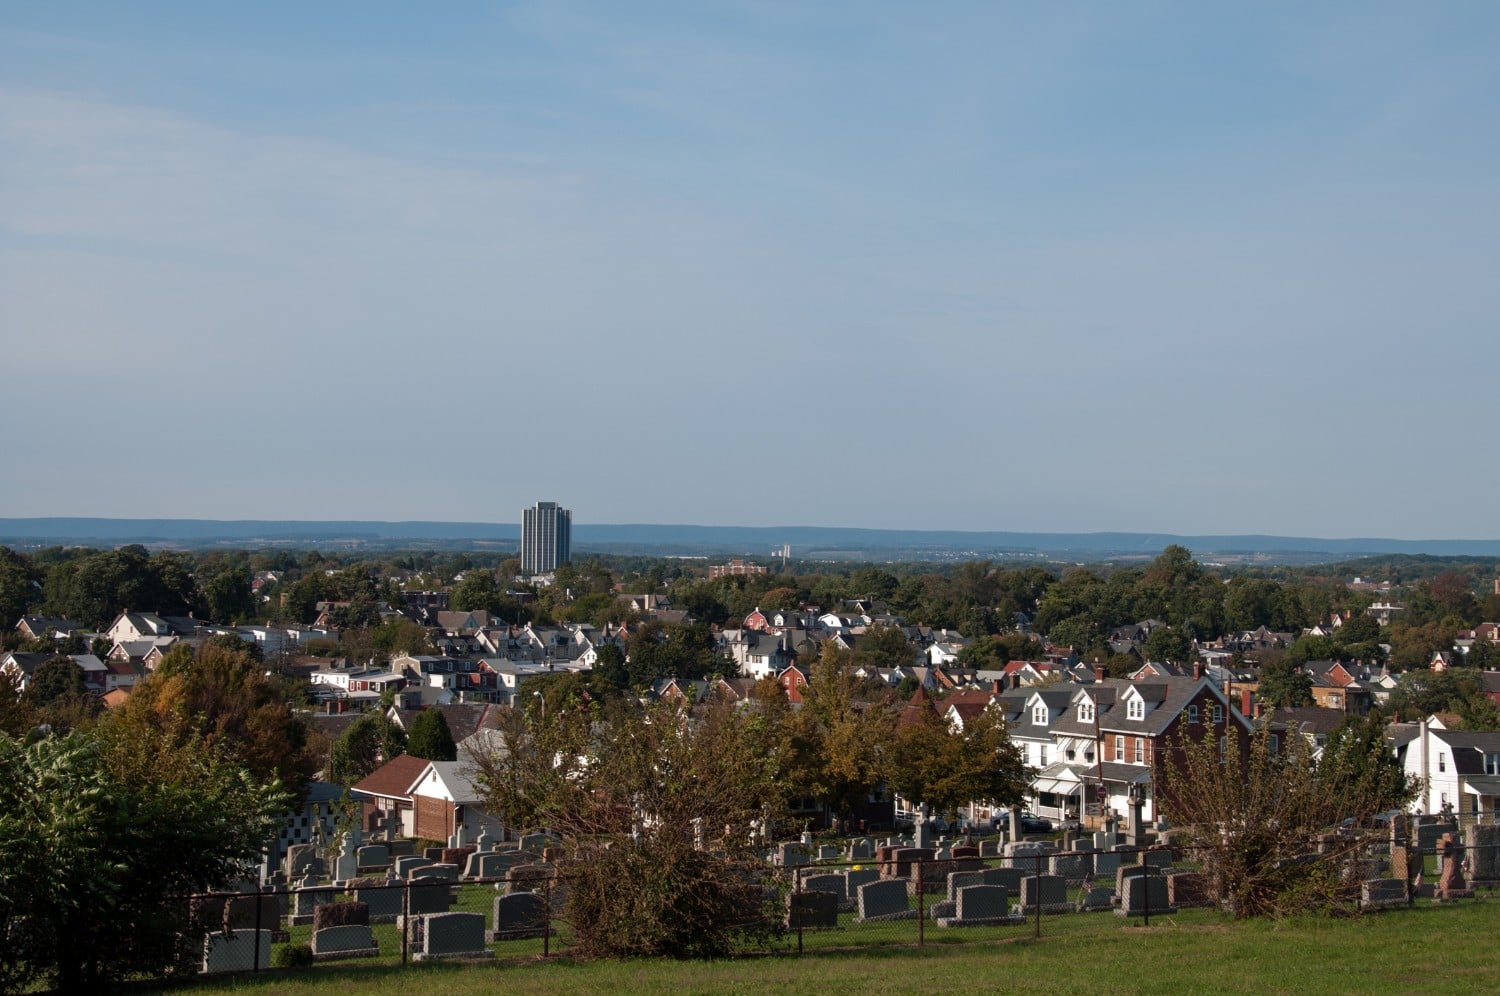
(1184, 267)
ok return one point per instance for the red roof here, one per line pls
(393, 778)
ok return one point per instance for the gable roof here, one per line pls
(394, 778)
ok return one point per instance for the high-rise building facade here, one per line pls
(546, 537)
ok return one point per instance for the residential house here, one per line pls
(1458, 768)
(446, 795)
(386, 792)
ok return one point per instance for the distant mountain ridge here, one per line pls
(709, 538)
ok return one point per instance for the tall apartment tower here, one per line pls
(546, 537)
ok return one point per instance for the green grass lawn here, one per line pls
(1425, 949)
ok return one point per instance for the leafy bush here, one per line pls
(293, 956)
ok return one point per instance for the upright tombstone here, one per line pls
(832, 883)
(1382, 894)
(535, 843)
(856, 877)
(790, 855)
(381, 896)
(406, 864)
(1046, 891)
(1482, 845)
(1187, 889)
(485, 843)
(1451, 884)
(453, 935)
(236, 951)
(373, 857)
(861, 849)
(813, 910)
(519, 916)
(346, 865)
(1144, 894)
(884, 900)
(981, 906)
(337, 943)
(1009, 877)
(301, 859)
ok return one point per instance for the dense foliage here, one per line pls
(101, 835)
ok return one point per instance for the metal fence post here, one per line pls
(1146, 887)
(921, 903)
(1038, 895)
(547, 926)
(259, 893)
(405, 918)
(797, 910)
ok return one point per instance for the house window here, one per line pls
(1442, 762)
(1043, 755)
(1140, 751)
(1335, 701)
(1039, 715)
(1137, 709)
(1492, 764)
(1086, 712)
(1192, 714)
(1275, 743)
(1119, 748)
(1218, 714)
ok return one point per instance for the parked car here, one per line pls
(1030, 823)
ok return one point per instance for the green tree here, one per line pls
(56, 678)
(370, 741)
(1166, 643)
(1284, 683)
(477, 591)
(948, 768)
(106, 829)
(658, 815)
(430, 737)
(19, 591)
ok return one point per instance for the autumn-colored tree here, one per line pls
(222, 695)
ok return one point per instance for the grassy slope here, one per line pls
(1425, 949)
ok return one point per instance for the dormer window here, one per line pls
(1136, 709)
(1086, 711)
(1039, 715)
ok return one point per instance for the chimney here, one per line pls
(1247, 700)
(997, 686)
(1098, 672)
(1259, 708)
(1015, 679)
(1197, 670)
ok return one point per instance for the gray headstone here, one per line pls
(790, 855)
(1142, 893)
(1482, 841)
(530, 878)
(1095, 900)
(407, 863)
(434, 873)
(1011, 878)
(349, 941)
(884, 900)
(854, 878)
(960, 880)
(982, 902)
(235, 951)
(834, 884)
(375, 856)
(861, 850)
(302, 858)
(435, 897)
(1106, 863)
(815, 910)
(1073, 867)
(1382, 894)
(384, 903)
(453, 935)
(535, 843)
(485, 841)
(306, 901)
(828, 852)
(1047, 891)
(519, 916)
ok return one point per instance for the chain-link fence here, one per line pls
(889, 895)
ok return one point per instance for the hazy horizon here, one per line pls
(1188, 269)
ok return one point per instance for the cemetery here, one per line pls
(370, 903)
